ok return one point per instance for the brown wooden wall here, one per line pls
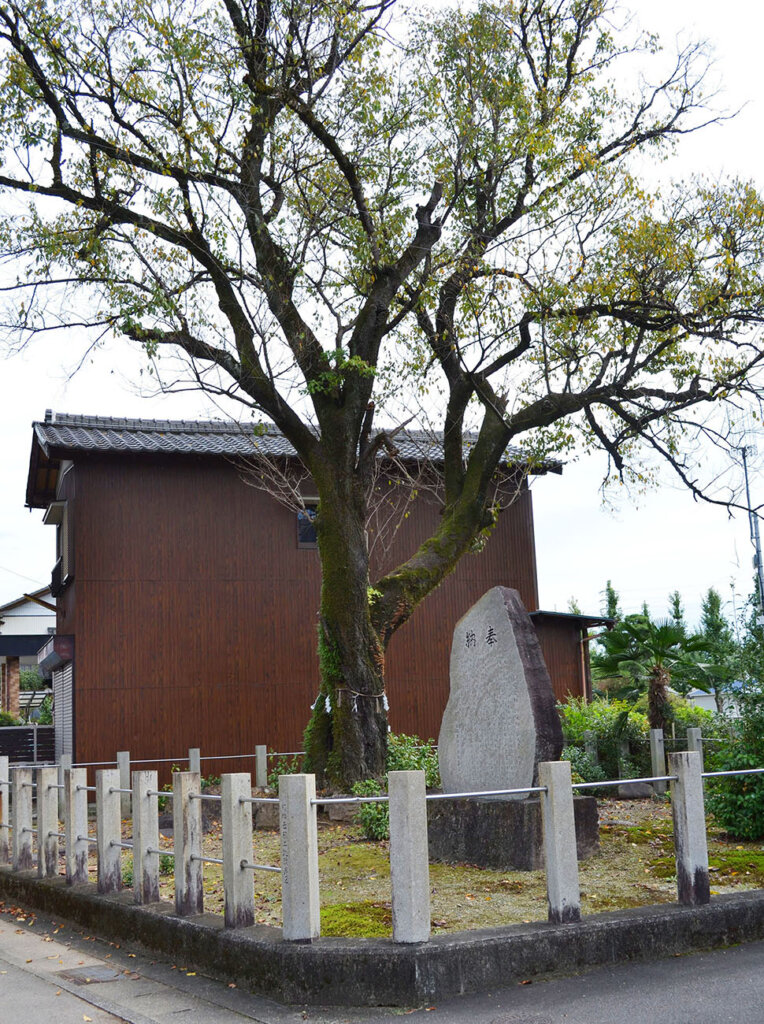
(194, 611)
(564, 655)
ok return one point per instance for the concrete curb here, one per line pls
(376, 972)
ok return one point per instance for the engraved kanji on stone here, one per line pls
(471, 640)
(490, 637)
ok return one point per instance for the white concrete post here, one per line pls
(187, 840)
(123, 766)
(409, 864)
(76, 825)
(195, 760)
(108, 830)
(238, 882)
(5, 803)
(64, 764)
(300, 906)
(47, 822)
(560, 852)
(688, 811)
(21, 818)
(658, 758)
(695, 742)
(590, 745)
(261, 766)
(145, 837)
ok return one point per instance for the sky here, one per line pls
(665, 541)
(649, 546)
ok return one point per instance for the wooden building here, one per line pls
(187, 598)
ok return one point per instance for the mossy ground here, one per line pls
(634, 867)
(373, 920)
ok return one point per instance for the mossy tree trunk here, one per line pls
(346, 738)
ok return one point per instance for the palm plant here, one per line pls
(647, 655)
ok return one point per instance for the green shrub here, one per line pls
(282, 766)
(374, 819)
(46, 711)
(166, 867)
(610, 721)
(684, 715)
(737, 803)
(30, 679)
(404, 754)
(687, 716)
(581, 764)
(409, 753)
(6, 718)
(127, 872)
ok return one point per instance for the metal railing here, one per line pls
(298, 803)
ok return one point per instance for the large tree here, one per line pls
(720, 648)
(333, 211)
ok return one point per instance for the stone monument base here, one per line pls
(501, 833)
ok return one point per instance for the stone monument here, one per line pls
(501, 720)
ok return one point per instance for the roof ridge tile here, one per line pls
(79, 432)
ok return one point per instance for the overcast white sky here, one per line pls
(667, 542)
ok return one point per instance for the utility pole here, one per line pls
(753, 526)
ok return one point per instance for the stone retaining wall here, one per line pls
(375, 972)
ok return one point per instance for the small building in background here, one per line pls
(707, 701)
(26, 624)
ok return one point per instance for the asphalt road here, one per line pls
(52, 974)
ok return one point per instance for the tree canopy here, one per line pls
(344, 216)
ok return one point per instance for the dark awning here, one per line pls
(19, 645)
(57, 651)
(581, 621)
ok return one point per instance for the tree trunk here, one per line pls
(346, 738)
(657, 697)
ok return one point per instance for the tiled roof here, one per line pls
(62, 433)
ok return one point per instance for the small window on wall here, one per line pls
(57, 515)
(306, 527)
